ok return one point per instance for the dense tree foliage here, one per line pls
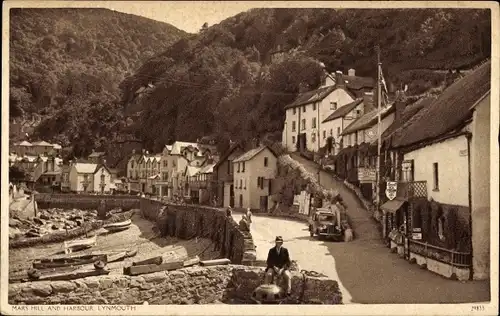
(133, 78)
(224, 80)
(66, 66)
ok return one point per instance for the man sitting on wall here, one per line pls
(278, 263)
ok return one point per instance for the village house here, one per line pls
(149, 172)
(42, 171)
(201, 184)
(96, 157)
(89, 177)
(25, 148)
(223, 171)
(133, 174)
(304, 127)
(442, 196)
(356, 162)
(65, 183)
(252, 178)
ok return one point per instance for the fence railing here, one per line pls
(412, 189)
(448, 256)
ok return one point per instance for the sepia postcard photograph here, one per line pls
(332, 158)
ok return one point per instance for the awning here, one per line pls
(392, 206)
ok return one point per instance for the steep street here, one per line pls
(367, 271)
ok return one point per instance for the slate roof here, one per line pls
(82, 167)
(178, 146)
(449, 112)
(252, 153)
(343, 110)
(228, 153)
(207, 169)
(352, 85)
(42, 143)
(97, 154)
(367, 120)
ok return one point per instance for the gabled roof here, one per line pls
(191, 171)
(97, 154)
(252, 153)
(343, 110)
(357, 83)
(407, 114)
(57, 146)
(41, 143)
(25, 143)
(368, 119)
(228, 153)
(178, 146)
(207, 169)
(311, 96)
(450, 111)
(82, 167)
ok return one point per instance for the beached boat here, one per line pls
(70, 246)
(67, 261)
(124, 224)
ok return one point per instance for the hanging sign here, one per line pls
(391, 190)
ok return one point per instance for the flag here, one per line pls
(384, 91)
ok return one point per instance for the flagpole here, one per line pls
(378, 126)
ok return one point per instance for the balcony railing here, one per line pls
(198, 184)
(451, 257)
(412, 189)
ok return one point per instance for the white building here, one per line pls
(89, 177)
(304, 117)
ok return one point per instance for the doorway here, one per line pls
(231, 195)
(302, 142)
(241, 200)
(264, 203)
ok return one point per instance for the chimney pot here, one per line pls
(352, 72)
(339, 78)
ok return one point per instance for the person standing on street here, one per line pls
(249, 216)
(278, 263)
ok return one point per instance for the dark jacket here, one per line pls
(281, 260)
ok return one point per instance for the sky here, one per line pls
(188, 16)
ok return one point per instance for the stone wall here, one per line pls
(188, 221)
(86, 201)
(194, 285)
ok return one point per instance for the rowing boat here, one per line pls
(67, 261)
(119, 224)
(69, 246)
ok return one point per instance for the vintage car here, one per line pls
(326, 223)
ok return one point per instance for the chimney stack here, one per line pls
(368, 101)
(339, 78)
(351, 72)
(133, 151)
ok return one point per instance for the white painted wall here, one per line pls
(97, 180)
(480, 189)
(323, 110)
(452, 169)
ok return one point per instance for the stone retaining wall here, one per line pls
(194, 285)
(86, 201)
(188, 221)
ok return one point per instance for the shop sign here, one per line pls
(391, 190)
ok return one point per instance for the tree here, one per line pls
(204, 27)
(16, 174)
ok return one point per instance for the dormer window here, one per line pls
(333, 106)
(243, 167)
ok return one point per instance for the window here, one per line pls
(132, 164)
(260, 182)
(303, 127)
(238, 170)
(436, 176)
(333, 106)
(338, 131)
(314, 106)
(245, 184)
(293, 126)
(304, 108)
(362, 136)
(229, 163)
(294, 111)
(358, 113)
(243, 167)
(165, 163)
(241, 183)
(313, 137)
(324, 134)
(314, 122)
(331, 131)
(293, 140)
(265, 161)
